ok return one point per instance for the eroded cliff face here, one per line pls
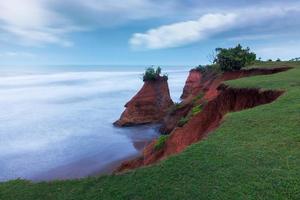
(228, 100)
(192, 84)
(216, 100)
(149, 105)
(205, 90)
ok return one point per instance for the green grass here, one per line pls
(160, 142)
(196, 109)
(183, 121)
(255, 154)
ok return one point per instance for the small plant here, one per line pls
(201, 68)
(160, 142)
(183, 121)
(196, 110)
(152, 74)
(198, 97)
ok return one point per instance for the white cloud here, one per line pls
(36, 22)
(32, 22)
(182, 33)
(13, 54)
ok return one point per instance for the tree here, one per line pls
(152, 74)
(234, 58)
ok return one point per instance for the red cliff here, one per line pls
(217, 101)
(149, 105)
(192, 84)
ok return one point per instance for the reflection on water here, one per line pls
(58, 125)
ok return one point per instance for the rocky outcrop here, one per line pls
(192, 84)
(204, 86)
(228, 100)
(149, 105)
(217, 100)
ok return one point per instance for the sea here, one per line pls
(56, 122)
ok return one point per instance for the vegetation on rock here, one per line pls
(152, 74)
(160, 142)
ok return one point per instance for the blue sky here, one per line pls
(133, 32)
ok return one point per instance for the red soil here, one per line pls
(192, 84)
(221, 100)
(149, 105)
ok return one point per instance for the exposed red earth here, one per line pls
(149, 105)
(217, 100)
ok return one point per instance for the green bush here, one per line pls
(183, 121)
(208, 68)
(152, 74)
(196, 110)
(234, 58)
(160, 142)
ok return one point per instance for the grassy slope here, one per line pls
(255, 154)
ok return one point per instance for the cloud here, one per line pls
(38, 22)
(13, 54)
(31, 22)
(184, 32)
(263, 19)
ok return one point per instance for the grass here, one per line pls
(183, 121)
(255, 154)
(197, 109)
(160, 142)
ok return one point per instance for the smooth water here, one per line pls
(56, 122)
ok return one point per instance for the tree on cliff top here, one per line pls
(152, 74)
(234, 58)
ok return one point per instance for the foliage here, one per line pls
(278, 60)
(183, 121)
(295, 59)
(152, 74)
(214, 68)
(198, 97)
(160, 142)
(197, 109)
(234, 58)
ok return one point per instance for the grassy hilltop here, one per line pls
(255, 154)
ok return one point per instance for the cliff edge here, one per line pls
(149, 105)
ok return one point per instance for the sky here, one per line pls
(144, 32)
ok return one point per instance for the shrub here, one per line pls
(234, 58)
(152, 74)
(201, 68)
(208, 68)
(270, 60)
(198, 97)
(278, 60)
(196, 110)
(160, 142)
(183, 121)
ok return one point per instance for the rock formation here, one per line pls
(217, 100)
(149, 105)
(192, 84)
